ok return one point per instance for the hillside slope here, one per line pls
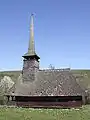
(13, 74)
(83, 76)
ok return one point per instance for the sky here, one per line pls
(61, 33)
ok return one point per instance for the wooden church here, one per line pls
(48, 88)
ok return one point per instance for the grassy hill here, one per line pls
(45, 114)
(13, 74)
(83, 76)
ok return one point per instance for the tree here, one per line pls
(5, 84)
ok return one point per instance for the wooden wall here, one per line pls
(49, 102)
(50, 105)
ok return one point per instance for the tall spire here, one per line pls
(31, 48)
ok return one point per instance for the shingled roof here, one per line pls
(50, 83)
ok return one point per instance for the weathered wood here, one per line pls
(50, 105)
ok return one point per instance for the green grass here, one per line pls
(85, 80)
(82, 72)
(44, 114)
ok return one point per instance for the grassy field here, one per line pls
(44, 114)
(84, 81)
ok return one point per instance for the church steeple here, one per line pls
(31, 59)
(31, 48)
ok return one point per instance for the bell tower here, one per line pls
(31, 59)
